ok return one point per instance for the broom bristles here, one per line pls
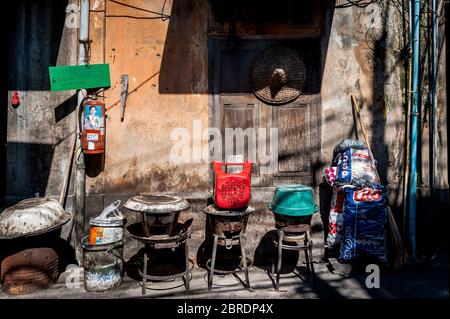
(399, 252)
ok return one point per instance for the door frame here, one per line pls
(215, 116)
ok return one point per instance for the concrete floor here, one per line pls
(334, 280)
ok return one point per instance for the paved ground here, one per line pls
(333, 280)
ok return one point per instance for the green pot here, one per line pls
(293, 200)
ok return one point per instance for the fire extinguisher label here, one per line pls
(91, 146)
(92, 137)
(93, 118)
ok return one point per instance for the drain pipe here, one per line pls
(414, 129)
(80, 180)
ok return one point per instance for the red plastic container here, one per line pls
(232, 191)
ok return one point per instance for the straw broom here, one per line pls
(399, 255)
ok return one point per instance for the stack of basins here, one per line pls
(293, 205)
(29, 245)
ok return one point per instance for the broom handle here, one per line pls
(68, 173)
(401, 254)
(363, 129)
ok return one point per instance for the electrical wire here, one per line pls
(397, 4)
(357, 3)
(159, 15)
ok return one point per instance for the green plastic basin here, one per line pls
(293, 200)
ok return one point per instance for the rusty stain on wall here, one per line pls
(158, 178)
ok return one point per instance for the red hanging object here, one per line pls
(15, 101)
(232, 191)
(93, 136)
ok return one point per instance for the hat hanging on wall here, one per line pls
(277, 75)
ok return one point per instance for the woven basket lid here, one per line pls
(278, 75)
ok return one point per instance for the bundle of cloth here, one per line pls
(358, 215)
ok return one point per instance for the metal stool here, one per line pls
(295, 234)
(228, 242)
(228, 228)
(185, 275)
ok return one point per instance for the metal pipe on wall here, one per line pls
(414, 128)
(408, 122)
(434, 118)
(80, 180)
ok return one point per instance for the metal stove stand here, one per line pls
(298, 238)
(228, 242)
(176, 242)
(228, 228)
(160, 242)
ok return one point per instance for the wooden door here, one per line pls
(234, 106)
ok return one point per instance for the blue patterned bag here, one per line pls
(354, 165)
(364, 225)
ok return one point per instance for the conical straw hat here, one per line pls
(277, 75)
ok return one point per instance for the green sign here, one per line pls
(79, 77)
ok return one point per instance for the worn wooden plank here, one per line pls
(293, 139)
(242, 116)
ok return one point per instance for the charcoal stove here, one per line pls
(228, 227)
(159, 213)
(159, 229)
(29, 245)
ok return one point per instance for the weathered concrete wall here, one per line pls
(40, 132)
(363, 53)
(138, 149)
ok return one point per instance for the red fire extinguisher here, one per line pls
(93, 126)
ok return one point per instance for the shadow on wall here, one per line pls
(432, 224)
(185, 56)
(34, 39)
(183, 65)
(31, 176)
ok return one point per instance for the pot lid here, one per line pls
(152, 203)
(278, 75)
(31, 217)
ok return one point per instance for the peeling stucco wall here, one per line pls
(166, 62)
(40, 132)
(364, 54)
